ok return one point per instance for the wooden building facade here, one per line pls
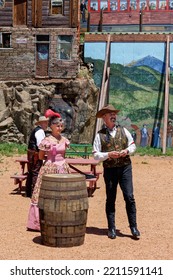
(39, 39)
(152, 14)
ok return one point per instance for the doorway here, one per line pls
(42, 55)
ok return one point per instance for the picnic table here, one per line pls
(82, 150)
(92, 164)
(19, 178)
(75, 166)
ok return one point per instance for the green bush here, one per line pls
(153, 151)
(9, 149)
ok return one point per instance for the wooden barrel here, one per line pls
(63, 208)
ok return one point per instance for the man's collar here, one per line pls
(111, 129)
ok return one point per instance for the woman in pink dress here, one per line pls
(52, 147)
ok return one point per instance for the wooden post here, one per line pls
(140, 21)
(74, 13)
(100, 27)
(104, 91)
(166, 103)
(88, 23)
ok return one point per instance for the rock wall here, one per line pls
(22, 102)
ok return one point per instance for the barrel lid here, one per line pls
(64, 177)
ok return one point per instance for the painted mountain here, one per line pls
(136, 89)
(152, 62)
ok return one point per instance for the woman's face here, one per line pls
(57, 128)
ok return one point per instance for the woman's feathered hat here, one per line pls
(49, 113)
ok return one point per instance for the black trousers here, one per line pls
(123, 177)
(34, 166)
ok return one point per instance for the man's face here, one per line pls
(109, 119)
(44, 125)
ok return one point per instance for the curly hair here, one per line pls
(55, 120)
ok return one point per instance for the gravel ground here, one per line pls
(153, 184)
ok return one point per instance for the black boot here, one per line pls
(135, 232)
(112, 233)
(111, 225)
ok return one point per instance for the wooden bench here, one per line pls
(81, 150)
(18, 179)
(91, 186)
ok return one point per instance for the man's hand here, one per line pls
(114, 154)
(124, 153)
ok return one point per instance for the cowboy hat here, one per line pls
(41, 119)
(106, 109)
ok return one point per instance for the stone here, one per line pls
(22, 102)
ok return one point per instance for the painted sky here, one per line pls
(129, 51)
(95, 50)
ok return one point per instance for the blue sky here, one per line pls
(125, 53)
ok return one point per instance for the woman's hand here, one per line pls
(41, 155)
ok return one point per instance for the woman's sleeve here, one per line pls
(67, 142)
(45, 145)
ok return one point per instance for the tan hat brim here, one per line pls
(38, 122)
(102, 112)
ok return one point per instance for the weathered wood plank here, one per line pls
(128, 37)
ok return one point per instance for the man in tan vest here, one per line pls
(113, 145)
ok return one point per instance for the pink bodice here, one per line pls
(54, 149)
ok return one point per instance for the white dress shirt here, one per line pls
(101, 156)
(39, 135)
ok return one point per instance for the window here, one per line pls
(104, 5)
(93, 5)
(162, 5)
(5, 40)
(143, 5)
(133, 5)
(113, 5)
(152, 4)
(64, 47)
(2, 3)
(56, 7)
(129, 5)
(43, 38)
(123, 5)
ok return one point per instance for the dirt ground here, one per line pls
(153, 189)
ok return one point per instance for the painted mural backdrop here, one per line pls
(137, 81)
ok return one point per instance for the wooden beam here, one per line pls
(103, 99)
(74, 13)
(128, 37)
(166, 103)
